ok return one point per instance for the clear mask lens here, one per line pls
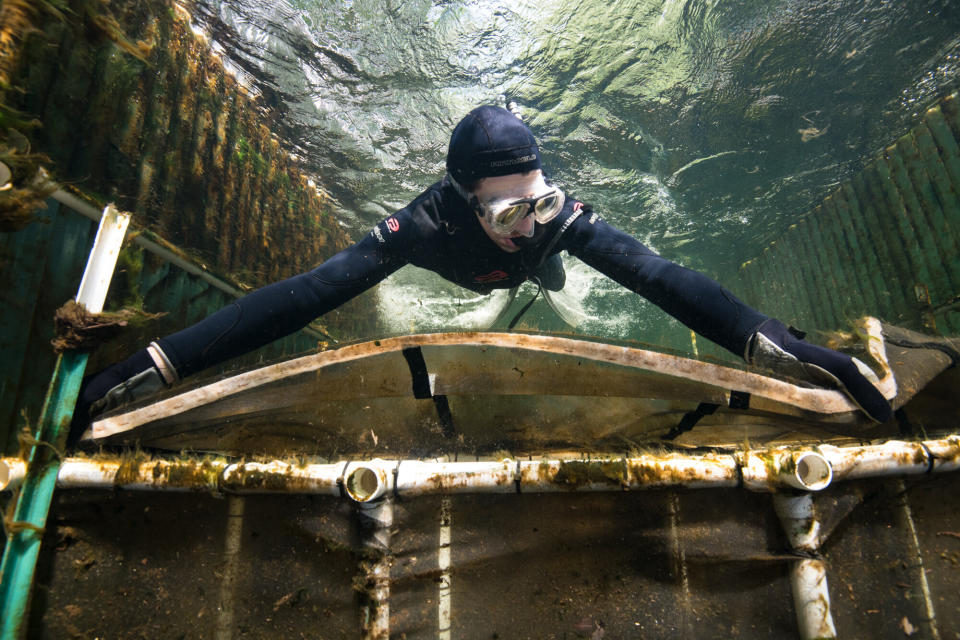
(511, 216)
(547, 208)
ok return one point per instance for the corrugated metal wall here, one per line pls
(171, 137)
(885, 243)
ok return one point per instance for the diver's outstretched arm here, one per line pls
(254, 320)
(712, 311)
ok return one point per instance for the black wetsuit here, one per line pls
(437, 231)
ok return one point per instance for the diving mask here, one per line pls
(504, 215)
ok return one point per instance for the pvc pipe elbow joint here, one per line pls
(811, 472)
(774, 470)
(365, 483)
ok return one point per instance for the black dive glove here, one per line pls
(120, 383)
(774, 347)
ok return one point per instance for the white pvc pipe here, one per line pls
(893, 457)
(808, 576)
(799, 522)
(281, 477)
(811, 599)
(103, 259)
(422, 478)
(12, 471)
(367, 482)
(756, 470)
(81, 207)
(647, 472)
(445, 586)
(163, 475)
(812, 472)
(376, 519)
(769, 470)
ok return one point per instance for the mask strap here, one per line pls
(470, 199)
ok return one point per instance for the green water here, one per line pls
(702, 128)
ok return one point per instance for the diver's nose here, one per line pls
(525, 228)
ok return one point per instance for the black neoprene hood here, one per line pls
(490, 141)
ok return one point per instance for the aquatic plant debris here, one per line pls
(24, 184)
(79, 330)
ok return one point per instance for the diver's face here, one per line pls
(513, 186)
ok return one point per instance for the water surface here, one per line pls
(702, 128)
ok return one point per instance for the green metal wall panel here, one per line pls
(28, 257)
(946, 143)
(925, 194)
(939, 181)
(893, 244)
(747, 287)
(877, 246)
(917, 218)
(838, 252)
(950, 107)
(780, 285)
(935, 204)
(826, 302)
(864, 260)
(70, 244)
(903, 231)
(840, 290)
(885, 243)
(806, 272)
(838, 258)
(765, 282)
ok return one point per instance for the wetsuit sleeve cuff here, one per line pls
(162, 363)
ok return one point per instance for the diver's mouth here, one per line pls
(522, 241)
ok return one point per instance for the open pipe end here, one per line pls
(811, 472)
(12, 471)
(365, 484)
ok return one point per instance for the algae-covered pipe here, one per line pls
(375, 520)
(779, 469)
(808, 575)
(802, 467)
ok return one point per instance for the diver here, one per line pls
(492, 222)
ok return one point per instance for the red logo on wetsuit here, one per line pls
(493, 276)
(393, 225)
